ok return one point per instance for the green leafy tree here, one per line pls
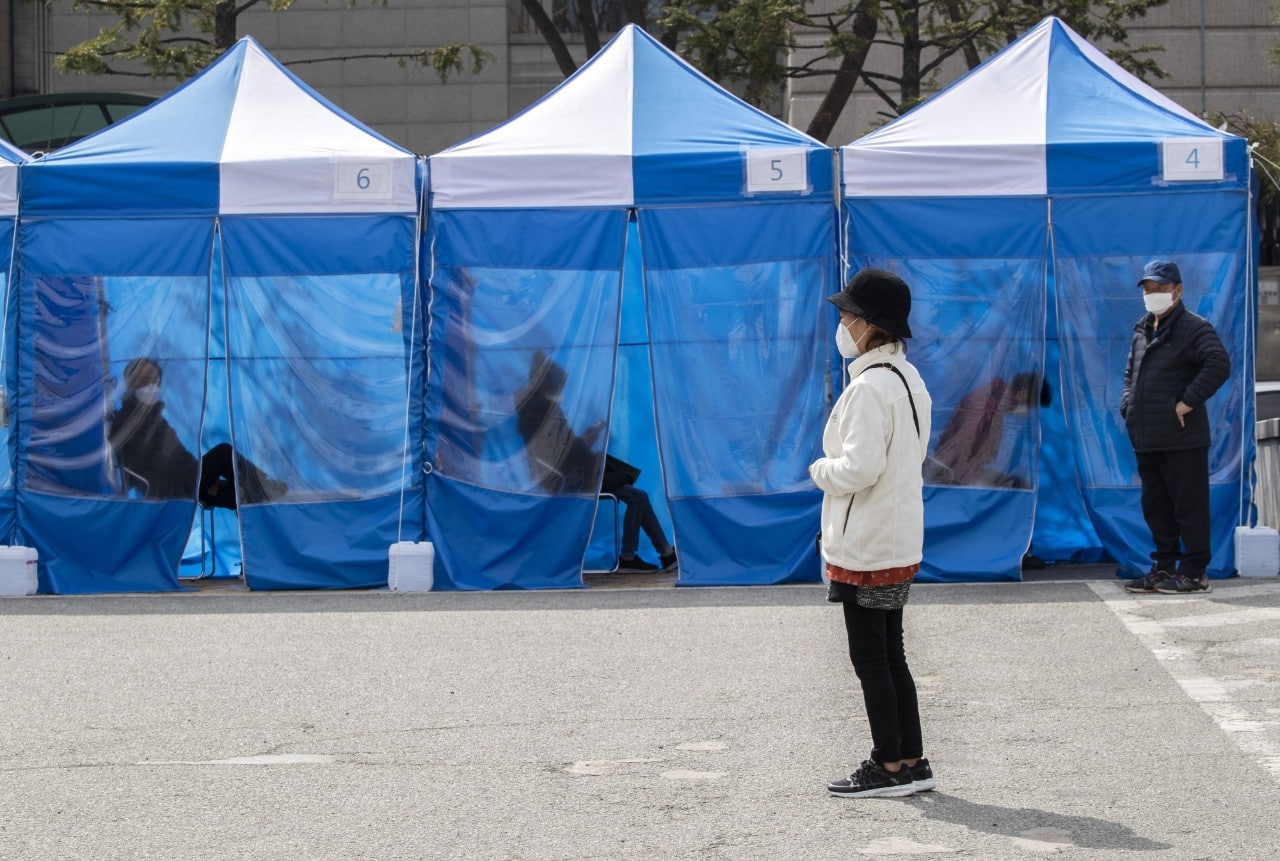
(1264, 147)
(178, 38)
(761, 44)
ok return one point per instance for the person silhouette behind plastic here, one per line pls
(562, 461)
(969, 444)
(156, 463)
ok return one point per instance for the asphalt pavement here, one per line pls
(1063, 718)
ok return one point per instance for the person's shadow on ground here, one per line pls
(1042, 826)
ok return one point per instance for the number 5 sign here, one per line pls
(1192, 159)
(777, 169)
(367, 180)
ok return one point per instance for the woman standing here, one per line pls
(873, 522)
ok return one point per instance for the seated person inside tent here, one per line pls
(562, 461)
(971, 442)
(154, 461)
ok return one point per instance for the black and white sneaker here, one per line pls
(1148, 583)
(1181, 584)
(872, 780)
(636, 565)
(669, 561)
(922, 775)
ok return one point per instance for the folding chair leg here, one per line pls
(213, 542)
(617, 535)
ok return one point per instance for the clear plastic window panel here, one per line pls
(528, 365)
(978, 341)
(87, 435)
(738, 375)
(1099, 303)
(318, 385)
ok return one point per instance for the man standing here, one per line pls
(1176, 363)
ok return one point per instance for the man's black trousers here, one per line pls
(1175, 504)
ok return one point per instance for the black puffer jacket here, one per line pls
(1183, 360)
(146, 444)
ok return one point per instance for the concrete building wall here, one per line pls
(408, 104)
(412, 107)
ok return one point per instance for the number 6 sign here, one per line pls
(777, 169)
(364, 180)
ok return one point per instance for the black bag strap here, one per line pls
(915, 417)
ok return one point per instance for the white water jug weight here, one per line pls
(410, 566)
(18, 570)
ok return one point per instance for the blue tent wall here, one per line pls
(978, 314)
(1097, 268)
(550, 284)
(975, 533)
(739, 331)
(736, 331)
(84, 313)
(319, 314)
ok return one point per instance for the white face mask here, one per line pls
(147, 394)
(1157, 303)
(845, 343)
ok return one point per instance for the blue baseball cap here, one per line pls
(1162, 272)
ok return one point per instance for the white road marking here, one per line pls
(1230, 617)
(1212, 694)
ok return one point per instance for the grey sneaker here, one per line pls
(1181, 584)
(922, 776)
(872, 780)
(1148, 583)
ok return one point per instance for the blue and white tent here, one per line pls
(259, 245)
(10, 158)
(706, 370)
(1020, 204)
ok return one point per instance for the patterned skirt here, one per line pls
(886, 589)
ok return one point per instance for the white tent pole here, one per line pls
(4, 322)
(413, 333)
(1250, 340)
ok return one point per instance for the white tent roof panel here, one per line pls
(994, 132)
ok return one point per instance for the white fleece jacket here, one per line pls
(873, 504)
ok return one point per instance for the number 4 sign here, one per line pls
(1192, 159)
(777, 169)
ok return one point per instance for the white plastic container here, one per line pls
(1257, 551)
(411, 566)
(18, 570)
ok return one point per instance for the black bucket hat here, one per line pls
(879, 297)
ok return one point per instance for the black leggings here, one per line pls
(880, 661)
(218, 469)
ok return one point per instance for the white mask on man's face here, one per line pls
(147, 394)
(1158, 303)
(845, 343)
